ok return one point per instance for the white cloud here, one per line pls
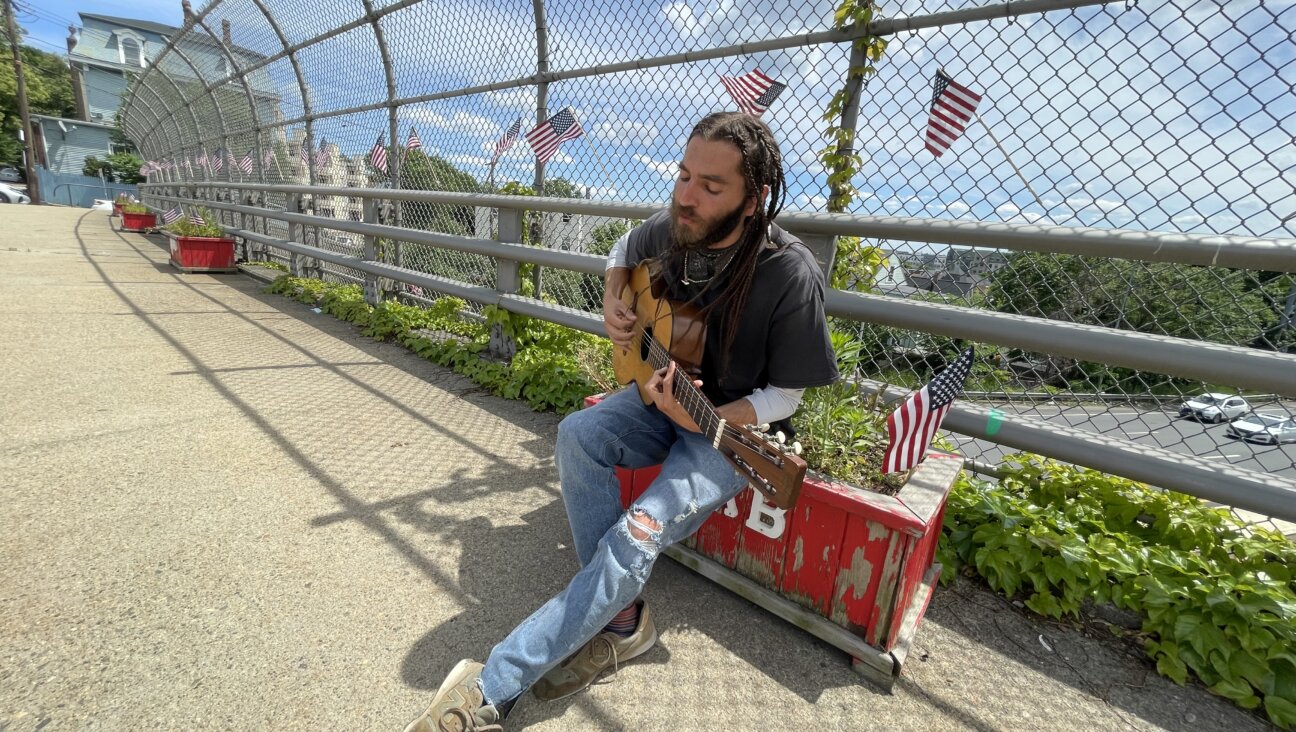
(561, 157)
(521, 99)
(626, 133)
(807, 202)
(667, 169)
(682, 19)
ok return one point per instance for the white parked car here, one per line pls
(9, 194)
(1269, 429)
(1215, 407)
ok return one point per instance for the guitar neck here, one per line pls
(699, 408)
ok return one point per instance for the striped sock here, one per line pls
(624, 622)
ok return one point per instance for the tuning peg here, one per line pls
(764, 427)
(796, 448)
(782, 438)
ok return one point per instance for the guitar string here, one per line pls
(692, 391)
(655, 348)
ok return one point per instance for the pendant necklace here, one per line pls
(705, 267)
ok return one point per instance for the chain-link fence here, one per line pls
(1166, 115)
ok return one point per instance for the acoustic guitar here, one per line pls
(666, 330)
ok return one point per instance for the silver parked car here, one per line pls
(10, 175)
(9, 194)
(1215, 407)
(1269, 429)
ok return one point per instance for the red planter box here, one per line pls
(116, 209)
(854, 567)
(203, 254)
(137, 222)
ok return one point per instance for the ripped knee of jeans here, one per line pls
(645, 531)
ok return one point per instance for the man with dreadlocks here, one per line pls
(766, 342)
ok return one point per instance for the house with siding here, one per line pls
(106, 54)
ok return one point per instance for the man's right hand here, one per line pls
(618, 319)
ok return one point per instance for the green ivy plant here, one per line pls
(554, 368)
(855, 266)
(840, 158)
(1217, 599)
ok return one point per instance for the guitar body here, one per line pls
(666, 330)
(676, 326)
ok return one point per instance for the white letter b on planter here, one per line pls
(766, 519)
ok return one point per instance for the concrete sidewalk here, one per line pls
(221, 510)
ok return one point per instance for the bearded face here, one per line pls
(692, 230)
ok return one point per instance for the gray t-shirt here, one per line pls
(782, 339)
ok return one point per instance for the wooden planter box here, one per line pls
(137, 222)
(853, 567)
(203, 254)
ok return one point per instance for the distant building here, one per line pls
(954, 272)
(106, 53)
(564, 231)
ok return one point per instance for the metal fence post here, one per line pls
(372, 291)
(508, 278)
(295, 233)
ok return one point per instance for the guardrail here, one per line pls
(1249, 368)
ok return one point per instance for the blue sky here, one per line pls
(1173, 115)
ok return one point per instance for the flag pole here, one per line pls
(589, 140)
(1011, 163)
(491, 174)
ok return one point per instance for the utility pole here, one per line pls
(33, 186)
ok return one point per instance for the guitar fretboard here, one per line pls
(686, 392)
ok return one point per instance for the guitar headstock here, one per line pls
(772, 466)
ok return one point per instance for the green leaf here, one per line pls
(1282, 712)
(1239, 691)
(1186, 625)
(1171, 667)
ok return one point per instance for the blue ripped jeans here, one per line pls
(695, 480)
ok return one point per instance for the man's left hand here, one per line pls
(661, 388)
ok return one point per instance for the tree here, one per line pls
(1211, 304)
(424, 172)
(49, 91)
(117, 168)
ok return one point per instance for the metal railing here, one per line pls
(1252, 368)
(1116, 221)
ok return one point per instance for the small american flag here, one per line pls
(217, 162)
(413, 143)
(267, 157)
(196, 219)
(378, 155)
(913, 424)
(504, 143)
(753, 91)
(305, 154)
(952, 108)
(323, 155)
(548, 135)
(172, 216)
(233, 162)
(202, 160)
(245, 164)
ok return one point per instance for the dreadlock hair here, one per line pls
(762, 165)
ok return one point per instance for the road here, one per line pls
(1160, 428)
